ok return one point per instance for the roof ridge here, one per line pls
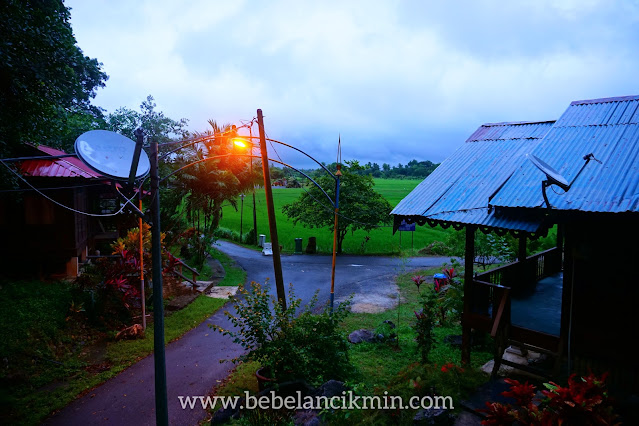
(515, 123)
(605, 100)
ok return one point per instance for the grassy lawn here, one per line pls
(394, 368)
(53, 355)
(382, 240)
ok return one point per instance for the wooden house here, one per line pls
(585, 317)
(45, 226)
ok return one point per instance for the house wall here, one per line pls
(40, 237)
(601, 256)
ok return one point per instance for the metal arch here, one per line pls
(249, 156)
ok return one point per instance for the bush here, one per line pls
(309, 346)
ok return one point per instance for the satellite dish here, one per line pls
(552, 175)
(111, 154)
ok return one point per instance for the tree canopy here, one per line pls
(154, 123)
(360, 206)
(46, 82)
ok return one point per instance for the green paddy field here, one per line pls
(382, 240)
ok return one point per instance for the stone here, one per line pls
(330, 389)
(222, 292)
(131, 333)
(390, 323)
(362, 335)
(432, 416)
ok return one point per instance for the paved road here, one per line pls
(193, 366)
(370, 278)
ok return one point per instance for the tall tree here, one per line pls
(154, 123)
(46, 82)
(360, 206)
(216, 178)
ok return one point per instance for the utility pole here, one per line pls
(277, 262)
(161, 401)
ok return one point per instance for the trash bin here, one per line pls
(262, 240)
(298, 246)
(440, 281)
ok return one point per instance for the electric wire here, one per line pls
(122, 207)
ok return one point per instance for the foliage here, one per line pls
(289, 346)
(110, 288)
(412, 170)
(491, 248)
(360, 206)
(424, 320)
(46, 82)
(451, 296)
(584, 401)
(215, 177)
(154, 123)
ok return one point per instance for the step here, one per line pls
(222, 292)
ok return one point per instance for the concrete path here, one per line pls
(193, 366)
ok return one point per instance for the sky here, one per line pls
(394, 80)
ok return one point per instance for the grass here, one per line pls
(382, 240)
(393, 368)
(48, 366)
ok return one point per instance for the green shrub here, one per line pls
(308, 346)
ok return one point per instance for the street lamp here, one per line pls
(242, 143)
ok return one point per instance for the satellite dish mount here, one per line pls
(553, 177)
(115, 156)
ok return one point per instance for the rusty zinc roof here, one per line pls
(69, 167)
(459, 190)
(607, 128)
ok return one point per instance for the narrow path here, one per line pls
(193, 362)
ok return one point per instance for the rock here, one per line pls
(223, 415)
(330, 389)
(362, 335)
(390, 323)
(130, 333)
(432, 416)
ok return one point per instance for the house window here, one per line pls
(38, 211)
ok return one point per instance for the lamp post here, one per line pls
(276, 261)
(161, 401)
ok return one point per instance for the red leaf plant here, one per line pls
(583, 402)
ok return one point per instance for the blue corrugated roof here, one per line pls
(607, 128)
(458, 191)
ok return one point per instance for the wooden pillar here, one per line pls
(469, 257)
(523, 279)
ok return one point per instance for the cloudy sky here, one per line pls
(396, 79)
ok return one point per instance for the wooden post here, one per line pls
(277, 262)
(523, 281)
(469, 257)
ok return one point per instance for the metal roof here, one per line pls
(607, 128)
(458, 191)
(69, 167)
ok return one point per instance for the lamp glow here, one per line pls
(240, 143)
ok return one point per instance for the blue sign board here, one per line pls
(410, 227)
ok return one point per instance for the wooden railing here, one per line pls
(177, 270)
(522, 275)
(491, 292)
